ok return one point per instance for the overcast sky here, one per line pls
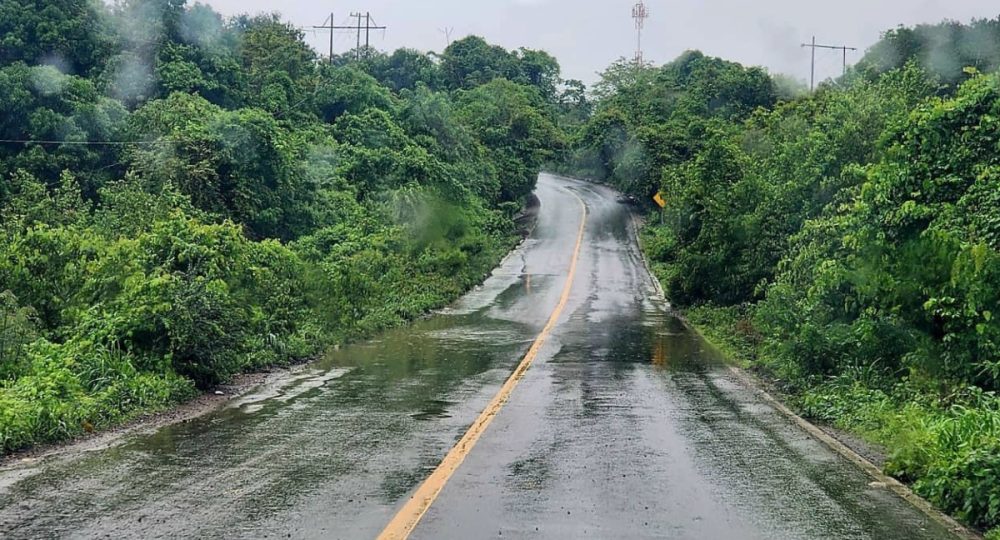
(587, 35)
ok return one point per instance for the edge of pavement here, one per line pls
(890, 483)
(180, 413)
(220, 396)
(750, 381)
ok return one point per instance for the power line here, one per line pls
(281, 114)
(328, 24)
(814, 46)
(80, 143)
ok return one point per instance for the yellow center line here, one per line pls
(413, 511)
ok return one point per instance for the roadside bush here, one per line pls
(17, 330)
(255, 205)
(966, 484)
(950, 452)
(76, 388)
(731, 329)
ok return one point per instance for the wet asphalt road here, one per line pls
(626, 426)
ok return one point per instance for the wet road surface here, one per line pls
(626, 426)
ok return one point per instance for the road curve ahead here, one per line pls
(625, 426)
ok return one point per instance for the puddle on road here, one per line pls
(287, 389)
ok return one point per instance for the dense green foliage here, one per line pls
(193, 197)
(945, 49)
(845, 242)
(189, 197)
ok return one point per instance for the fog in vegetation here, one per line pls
(235, 202)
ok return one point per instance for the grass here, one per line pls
(946, 447)
(726, 330)
(65, 390)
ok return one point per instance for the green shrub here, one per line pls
(79, 387)
(272, 205)
(951, 453)
(966, 484)
(17, 330)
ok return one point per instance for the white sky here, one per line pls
(587, 35)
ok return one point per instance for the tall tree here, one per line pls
(74, 35)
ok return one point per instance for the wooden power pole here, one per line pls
(328, 25)
(368, 27)
(814, 46)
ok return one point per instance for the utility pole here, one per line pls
(812, 66)
(328, 25)
(368, 27)
(814, 46)
(447, 33)
(640, 13)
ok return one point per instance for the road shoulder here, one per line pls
(847, 446)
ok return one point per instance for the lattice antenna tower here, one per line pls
(640, 13)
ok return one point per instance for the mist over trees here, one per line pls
(185, 196)
(945, 50)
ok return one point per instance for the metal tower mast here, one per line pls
(640, 13)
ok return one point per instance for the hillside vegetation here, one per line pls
(185, 197)
(846, 242)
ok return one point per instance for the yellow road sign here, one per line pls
(659, 200)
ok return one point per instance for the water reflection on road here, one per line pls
(627, 426)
